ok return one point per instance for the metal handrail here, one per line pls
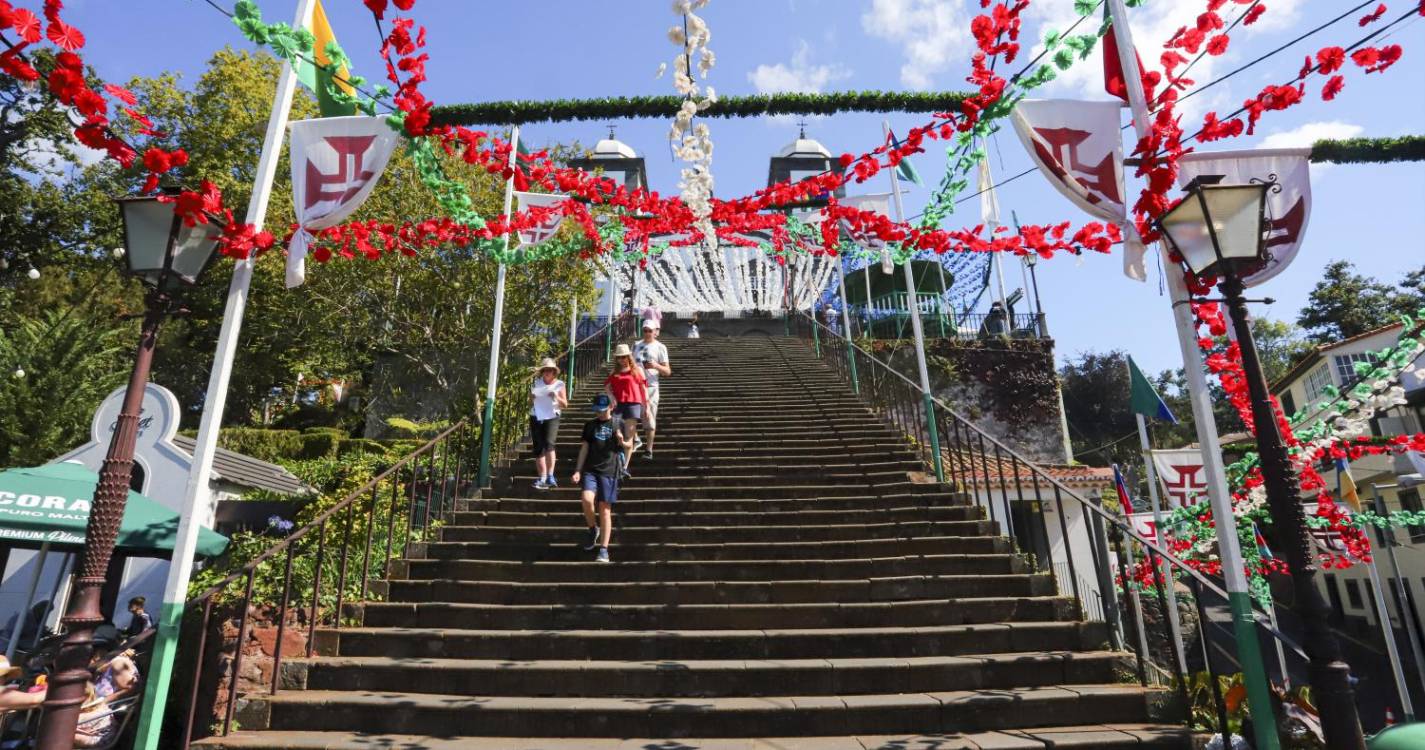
(419, 515)
(967, 450)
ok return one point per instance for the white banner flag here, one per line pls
(1145, 525)
(336, 163)
(1180, 471)
(877, 203)
(1077, 146)
(546, 230)
(1288, 201)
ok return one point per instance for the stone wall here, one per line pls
(1008, 388)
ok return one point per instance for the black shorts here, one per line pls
(543, 433)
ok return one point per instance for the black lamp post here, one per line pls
(167, 256)
(1219, 229)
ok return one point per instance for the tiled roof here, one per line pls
(971, 469)
(246, 471)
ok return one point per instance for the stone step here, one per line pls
(910, 613)
(1085, 737)
(709, 570)
(710, 550)
(633, 489)
(670, 478)
(444, 715)
(630, 533)
(869, 642)
(615, 590)
(544, 503)
(721, 678)
(571, 517)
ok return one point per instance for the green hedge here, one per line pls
(272, 446)
(318, 445)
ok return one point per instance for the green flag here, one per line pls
(320, 78)
(1143, 398)
(904, 169)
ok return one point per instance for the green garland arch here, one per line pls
(660, 107)
(1369, 150)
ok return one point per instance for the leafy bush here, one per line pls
(318, 445)
(361, 446)
(273, 446)
(337, 431)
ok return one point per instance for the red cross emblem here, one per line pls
(349, 178)
(1099, 180)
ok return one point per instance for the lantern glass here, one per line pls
(1218, 224)
(148, 227)
(159, 249)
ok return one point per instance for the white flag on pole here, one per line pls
(1288, 201)
(1181, 474)
(546, 229)
(336, 163)
(1076, 144)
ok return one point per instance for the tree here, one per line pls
(1411, 299)
(56, 368)
(1280, 345)
(1344, 304)
(430, 314)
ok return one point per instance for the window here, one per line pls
(1345, 366)
(1288, 403)
(1353, 594)
(1316, 382)
(1334, 595)
(1410, 500)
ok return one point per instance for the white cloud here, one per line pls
(934, 34)
(799, 77)
(1310, 133)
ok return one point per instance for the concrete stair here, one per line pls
(785, 576)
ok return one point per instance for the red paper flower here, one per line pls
(1373, 16)
(1333, 87)
(64, 36)
(1255, 13)
(26, 24)
(1217, 45)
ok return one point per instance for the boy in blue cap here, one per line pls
(602, 445)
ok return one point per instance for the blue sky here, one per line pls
(1371, 215)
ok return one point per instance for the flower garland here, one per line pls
(693, 143)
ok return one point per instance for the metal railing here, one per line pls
(342, 556)
(894, 323)
(1090, 552)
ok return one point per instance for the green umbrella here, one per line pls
(927, 281)
(1399, 737)
(51, 504)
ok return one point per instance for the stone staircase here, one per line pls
(783, 569)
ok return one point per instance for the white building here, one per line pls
(1349, 591)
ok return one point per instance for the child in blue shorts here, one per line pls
(602, 445)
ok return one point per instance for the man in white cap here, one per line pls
(549, 396)
(652, 355)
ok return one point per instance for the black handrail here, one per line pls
(976, 462)
(424, 486)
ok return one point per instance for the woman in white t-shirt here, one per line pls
(549, 396)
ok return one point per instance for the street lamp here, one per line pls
(167, 256)
(1218, 229)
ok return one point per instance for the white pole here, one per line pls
(1281, 652)
(913, 302)
(1174, 623)
(196, 496)
(23, 616)
(1387, 633)
(845, 306)
(486, 431)
(1229, 550)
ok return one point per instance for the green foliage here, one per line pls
(273, 446)
(1369, 150)
(1280, 346)
(660, 107)
(319, 445)
(54, 371)
(1344, 303)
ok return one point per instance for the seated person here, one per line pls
(116, 678)
(96, 724)
(14, 697)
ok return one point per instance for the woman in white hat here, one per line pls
(628, 387)
(549, 396)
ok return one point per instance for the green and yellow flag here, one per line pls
(319, 78)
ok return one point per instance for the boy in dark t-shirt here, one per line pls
(601, 446)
